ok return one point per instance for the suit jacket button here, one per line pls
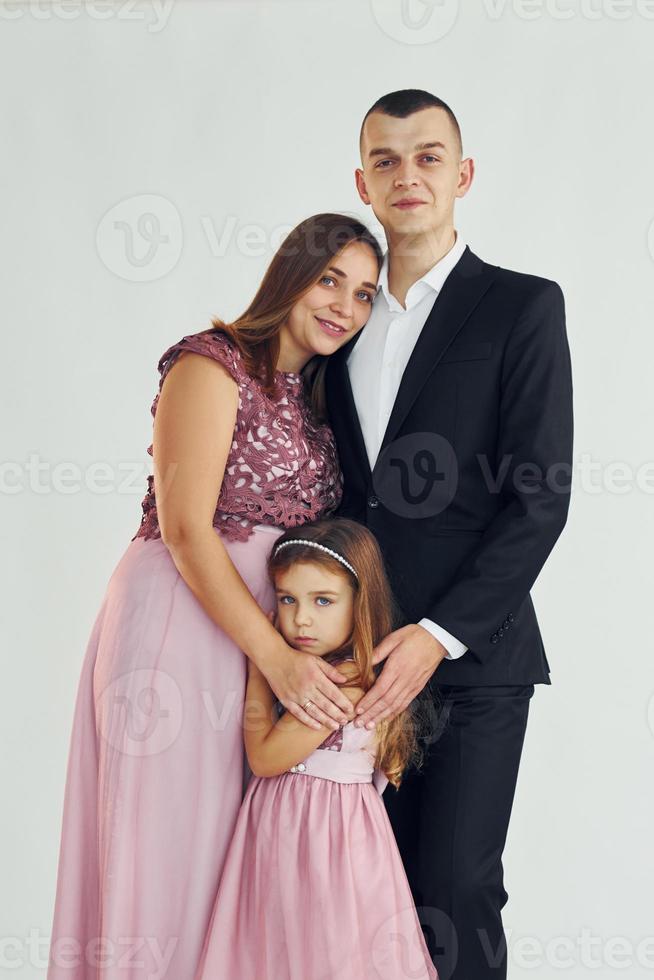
(506, 624)
(500, 632)
(494, 638)
(510, 617)
(373, 501)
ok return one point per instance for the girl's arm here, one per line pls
(274, 745)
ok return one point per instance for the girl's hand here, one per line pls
(297, 677)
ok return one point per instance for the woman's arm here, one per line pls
(273, 746)
(193, 432)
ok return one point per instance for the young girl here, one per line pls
(313, 886)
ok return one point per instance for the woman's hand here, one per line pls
(297, 677)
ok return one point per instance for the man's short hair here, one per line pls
(407, 101)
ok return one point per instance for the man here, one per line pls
(452, 411)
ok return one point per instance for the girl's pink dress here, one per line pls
(156, 767)
(313, 886)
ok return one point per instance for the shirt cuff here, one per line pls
(455, 648)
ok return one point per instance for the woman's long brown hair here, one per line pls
(375, 615)
(296, 266)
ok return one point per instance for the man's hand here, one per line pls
(413, 656)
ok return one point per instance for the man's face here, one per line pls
(415, 160)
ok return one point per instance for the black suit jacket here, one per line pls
(471, 487)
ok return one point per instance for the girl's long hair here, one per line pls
(375, 615)
(296, 266)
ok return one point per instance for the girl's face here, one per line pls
(315, 608)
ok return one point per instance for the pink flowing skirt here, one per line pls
(314, 889)
(156, 772)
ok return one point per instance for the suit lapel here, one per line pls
(464, 288)
(346, 404)
(462, 291)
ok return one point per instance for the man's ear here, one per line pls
(360, 182)
(466, 175)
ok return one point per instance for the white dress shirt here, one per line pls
(378, 360)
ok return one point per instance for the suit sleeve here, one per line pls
(533, 467)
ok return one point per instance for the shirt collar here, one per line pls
(433, 280)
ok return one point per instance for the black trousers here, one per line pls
(451, 818)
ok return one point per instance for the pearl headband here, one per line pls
(314, 544)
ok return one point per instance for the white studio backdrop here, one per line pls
(154, 153)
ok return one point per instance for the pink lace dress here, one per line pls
(156, 769)
(282, 468)
(313, 886)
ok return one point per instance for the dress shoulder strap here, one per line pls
(215, 344)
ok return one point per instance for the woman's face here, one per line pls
(334, 309)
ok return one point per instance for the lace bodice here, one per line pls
(282, 467)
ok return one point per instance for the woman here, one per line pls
(241, 451)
